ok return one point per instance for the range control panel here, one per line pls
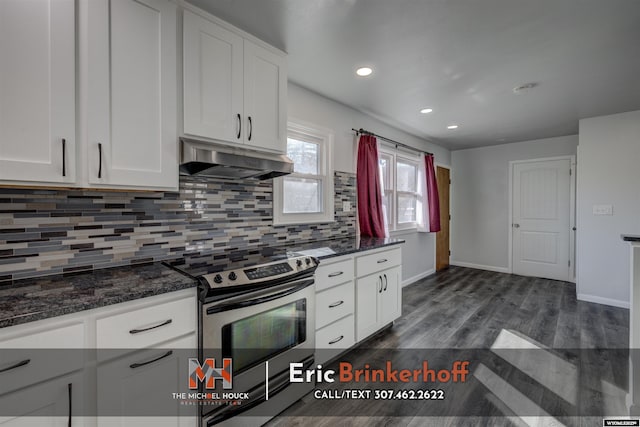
(262, 273)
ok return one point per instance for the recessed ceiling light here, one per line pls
(426, 110)
(364, 71)
(452, 127)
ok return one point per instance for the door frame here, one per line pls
(572, 210)
(435, 243)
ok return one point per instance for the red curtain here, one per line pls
(432, 194)
(369, 191)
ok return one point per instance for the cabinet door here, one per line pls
(212, 80)
(391, 296)
(57, 403)
(132, 388)
(37, 91)
(367, 310)
(265, 97)
(131, 90)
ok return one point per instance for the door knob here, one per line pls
(516, 225)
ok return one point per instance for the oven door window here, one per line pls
(255, 339)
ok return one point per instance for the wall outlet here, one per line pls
(346, 206)
(602, 209)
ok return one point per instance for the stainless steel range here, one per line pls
(258, 310)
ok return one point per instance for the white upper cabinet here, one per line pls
(37, 92)
(131, 94)
(265, 96)
(212, 80)
(235, 91)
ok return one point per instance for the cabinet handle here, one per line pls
(17, 365)
(386, 282)
(139, 364)
(64, 157)
(239, 126)
(335, 304)
(380, 261)
(337, 273)
(250, 128)
(70, 400)
(336, 340)
(137, 331)
(99, 160)
(380, 290)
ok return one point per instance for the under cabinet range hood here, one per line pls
(206, 159)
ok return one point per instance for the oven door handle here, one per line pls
(255, 301)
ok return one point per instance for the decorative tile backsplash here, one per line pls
(46, 232)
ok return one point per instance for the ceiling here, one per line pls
(462, 58)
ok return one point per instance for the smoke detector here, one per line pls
(525, 88)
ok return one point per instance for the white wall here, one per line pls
(608, 173)
(418, 251)
(480, 198)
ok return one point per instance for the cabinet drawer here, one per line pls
(333, 274)
(334, 339)
(24, 362)
(334, 303)
(368, 264)
(144, 327)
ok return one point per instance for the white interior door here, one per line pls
(541, 218)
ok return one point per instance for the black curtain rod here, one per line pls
(366, 132)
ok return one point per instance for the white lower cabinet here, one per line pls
(50, 372)
(141, 383)
(54, 403)
(378, 299)
(347, 310)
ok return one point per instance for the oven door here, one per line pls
(274, 325)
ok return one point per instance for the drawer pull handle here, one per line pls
(335, 304)
(17, 365)
(337, 273)
(380, 261)
(336, 340)
(139, 364)
(137, 331)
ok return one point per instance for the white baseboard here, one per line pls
(480, 266)
(417, 277)
(602, 300)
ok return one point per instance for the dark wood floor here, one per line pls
(584, 376)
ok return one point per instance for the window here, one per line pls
(307, 194)
(400, 174)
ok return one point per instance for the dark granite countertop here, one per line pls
(27, 300)
(323, 249)
(630, 237)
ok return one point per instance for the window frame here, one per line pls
(408, 158)
(324, 138)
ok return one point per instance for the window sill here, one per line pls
(403, 231)
(302, 221)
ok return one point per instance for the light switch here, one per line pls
(346, 206)
(602, 209)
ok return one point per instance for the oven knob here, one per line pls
(299, 263)
(217, 278)
(307, 260)
(232, 276)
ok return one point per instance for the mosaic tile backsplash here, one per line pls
(46, 232)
